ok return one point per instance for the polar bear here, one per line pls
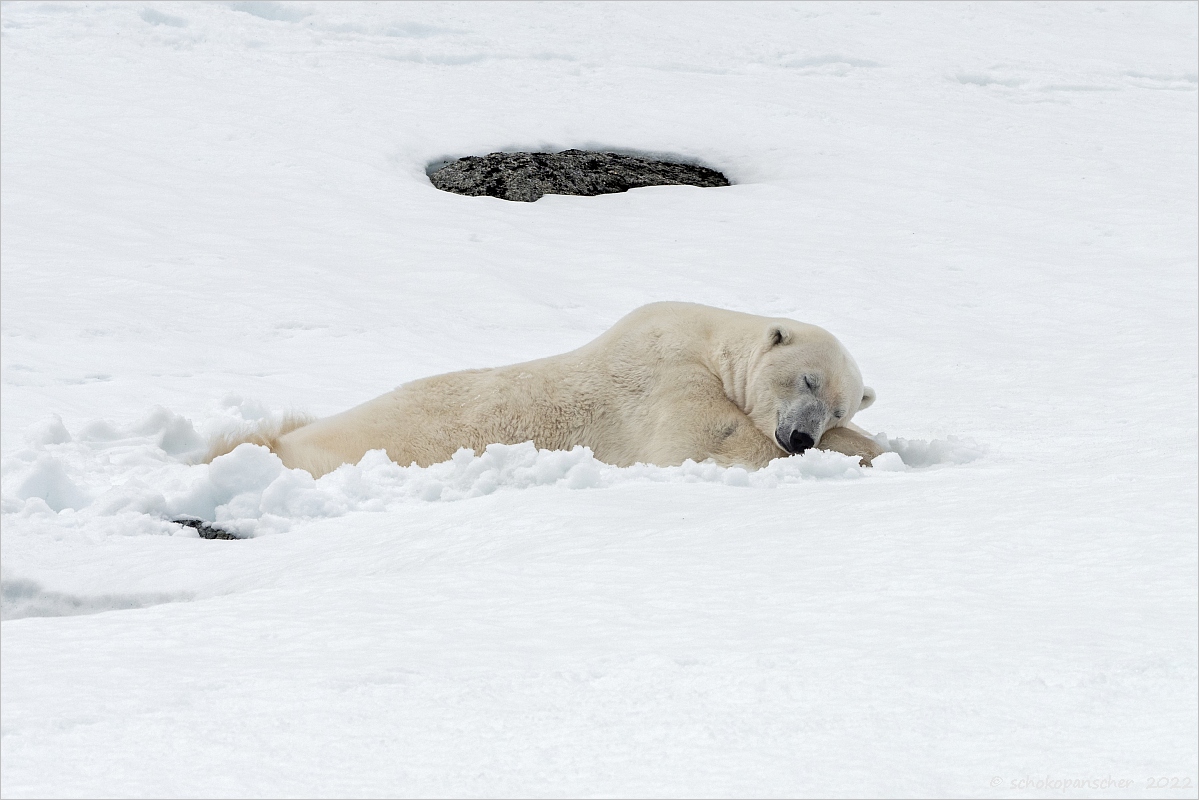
(668, 382)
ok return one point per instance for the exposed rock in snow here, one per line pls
(526, 177)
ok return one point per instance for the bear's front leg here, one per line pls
(851, 443)
(737, 443)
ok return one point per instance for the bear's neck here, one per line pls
(729, 360)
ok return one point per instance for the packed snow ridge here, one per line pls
(146, 471)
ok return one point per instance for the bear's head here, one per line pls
(803, 383)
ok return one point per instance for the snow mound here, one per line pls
(138, 476)
(48, 481)
(925, 453)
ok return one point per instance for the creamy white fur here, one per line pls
(667, 383)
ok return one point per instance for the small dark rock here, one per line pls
(205, 529)
(525, 177)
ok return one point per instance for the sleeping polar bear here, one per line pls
(667, 383)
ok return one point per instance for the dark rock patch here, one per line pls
(525, 177)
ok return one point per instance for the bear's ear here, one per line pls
(868, 396)
(779, 335)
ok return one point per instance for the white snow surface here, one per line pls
(215, 214)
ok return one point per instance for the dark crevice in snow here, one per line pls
(21, 598)
(206, 529)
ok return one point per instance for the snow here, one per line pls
(217, 214)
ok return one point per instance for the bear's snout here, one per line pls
(796, 443)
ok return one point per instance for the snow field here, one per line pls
(218, 213)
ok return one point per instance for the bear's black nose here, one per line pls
(800, 441)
